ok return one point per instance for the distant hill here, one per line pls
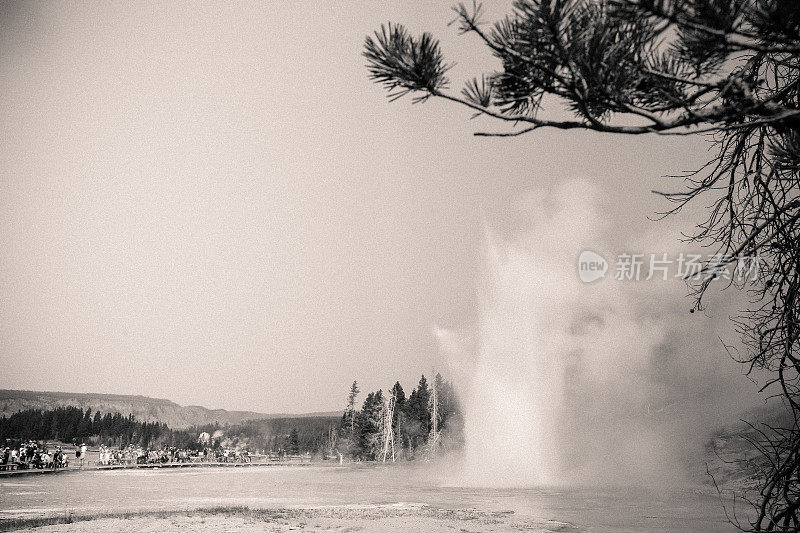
(142, 407)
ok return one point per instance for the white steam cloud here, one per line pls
(607, 382)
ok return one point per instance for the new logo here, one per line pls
(591, 266)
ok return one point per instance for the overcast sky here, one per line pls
(213, 204)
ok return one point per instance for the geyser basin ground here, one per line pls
(336, 498)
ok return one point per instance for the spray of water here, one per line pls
(577, 383)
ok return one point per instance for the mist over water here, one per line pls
(581, 384)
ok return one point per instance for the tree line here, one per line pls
(396, 424)
(73, 424)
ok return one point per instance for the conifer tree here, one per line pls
(398, 415)
(294, 442)
(417, 414)
(350, 412)
(370, 425)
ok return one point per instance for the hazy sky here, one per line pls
(213, 204)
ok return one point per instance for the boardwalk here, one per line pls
(290, 461)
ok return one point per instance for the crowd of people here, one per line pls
(31, 455)
(169, 454)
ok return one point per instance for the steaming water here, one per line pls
(581, 383)
(516, 391)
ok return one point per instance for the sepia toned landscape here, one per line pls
(513, 265)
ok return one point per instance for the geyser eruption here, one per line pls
(583, 383)
(515, 412)
(516, 393)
